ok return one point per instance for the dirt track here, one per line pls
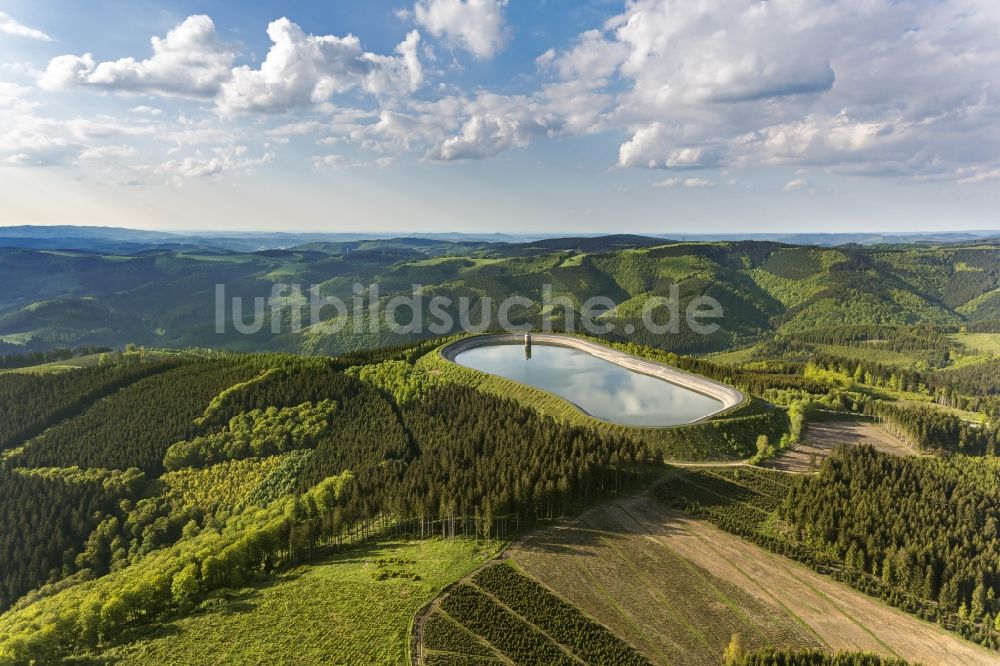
(823, 437)
(622, 564)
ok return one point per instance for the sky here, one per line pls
(551, 116)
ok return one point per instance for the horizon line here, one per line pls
(555, 234)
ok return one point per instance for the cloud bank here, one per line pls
(857, 87)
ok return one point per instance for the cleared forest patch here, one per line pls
(677, 588)
(823, 437)
(623, 573)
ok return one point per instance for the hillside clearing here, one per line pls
(823, 437)
(979, 343)
(677, 587)
(94, 360)
(672, 609)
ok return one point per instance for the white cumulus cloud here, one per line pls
(490, 124)
(655, 146)
(11, 26)
(476, 26)
(856, 86)
(189, 61)
(302, 69)
(223, 159)
(592, 59)
(481, 136)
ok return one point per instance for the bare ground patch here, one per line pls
(677, 587)
(823, 437)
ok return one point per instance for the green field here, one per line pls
(93, 360)
(438, 261)
(979, 343)
(736, 357)
(861, 353)
(334, 611)
(574, 260)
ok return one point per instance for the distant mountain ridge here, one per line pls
(118, 239)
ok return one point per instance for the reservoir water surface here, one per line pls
(600, 388)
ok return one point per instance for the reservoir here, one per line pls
(600, 388)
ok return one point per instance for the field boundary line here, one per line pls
(721, 496)
(756, 583)
(416, 628)
(476, 637)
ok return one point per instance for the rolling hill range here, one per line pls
(163, 297)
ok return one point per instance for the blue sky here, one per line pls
(659, 116)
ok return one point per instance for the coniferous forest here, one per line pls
(927, 528)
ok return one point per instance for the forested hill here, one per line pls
(166, 297)
(132, 490)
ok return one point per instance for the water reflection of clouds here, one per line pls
(604, 389)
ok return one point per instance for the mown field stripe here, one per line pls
(738, 482)
(754, 581)
(472, 658)
(475, 637)
(841, 611)
(724, 497)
